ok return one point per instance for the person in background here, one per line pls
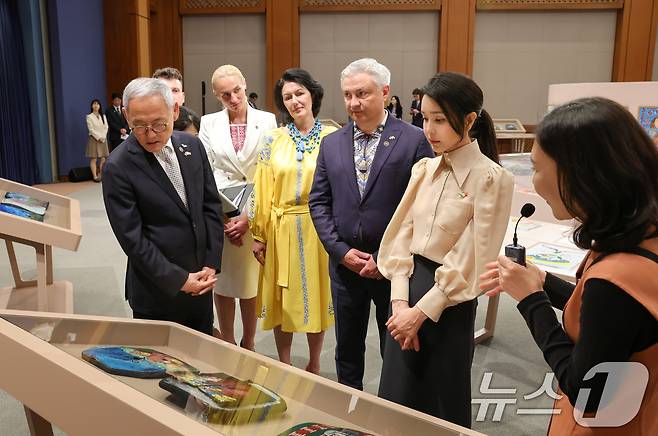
(118, 129)
(593, 162)
(416, 115)
(362, 172)
(450, 222)
(188, 121)
(394, 107)
(97, 139)
(294, 293)
(253, 97)
(231, 137)
(174, 80)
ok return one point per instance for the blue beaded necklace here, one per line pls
(305, 143)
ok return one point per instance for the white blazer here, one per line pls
(97, 127)
(231, 168)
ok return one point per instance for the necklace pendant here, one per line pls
(300, 156)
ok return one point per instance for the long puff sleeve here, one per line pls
(395, 261)
(260, 203)
(456, 279)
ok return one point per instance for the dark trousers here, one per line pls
(351, 296)
(193, 312)
(437, 379)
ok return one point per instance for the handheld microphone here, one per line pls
(515, 251)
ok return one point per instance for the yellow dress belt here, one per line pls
(282, 231)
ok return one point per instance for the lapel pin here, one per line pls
(187, 153)
(184, 145)
(180, 149)
(386, 143)
(391, 137)
(462, 195)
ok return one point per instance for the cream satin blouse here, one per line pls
(455, 212)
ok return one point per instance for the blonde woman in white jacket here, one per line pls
(231, 139)
(97, 140)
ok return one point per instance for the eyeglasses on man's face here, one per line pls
(156, 127)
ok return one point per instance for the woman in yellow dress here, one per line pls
(294, 293)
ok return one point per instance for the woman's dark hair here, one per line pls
(303, 78)
(187, 117)
(100, 109)
(607, 170)
(458, 96)
(398, 107)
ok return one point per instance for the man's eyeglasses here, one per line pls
(156, 127)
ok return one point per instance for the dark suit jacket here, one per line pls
(417, 119)
(164, 240)
(115, 123)
(342, 220)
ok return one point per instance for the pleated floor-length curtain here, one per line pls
(17, 148)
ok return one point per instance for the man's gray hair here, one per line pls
(147, 87)
(380, 74)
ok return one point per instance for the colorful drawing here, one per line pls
(25, 202)
(222, 399)
(135, 362)
(19, 211)
(315, 429)
(517, 163)
(648, 118)
(555, 258)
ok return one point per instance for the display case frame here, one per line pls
(57, 386)
(61, 227)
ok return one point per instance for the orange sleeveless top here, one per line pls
(638, 277)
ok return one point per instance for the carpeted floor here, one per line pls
(97, 271)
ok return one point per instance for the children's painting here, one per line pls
(554, 258)
(219, 398)
(648, 118)
(135, 362)
(315, 429)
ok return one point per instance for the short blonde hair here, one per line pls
(226, 71)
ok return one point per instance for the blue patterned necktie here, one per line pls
(365, 146)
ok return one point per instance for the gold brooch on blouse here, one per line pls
(462, 195)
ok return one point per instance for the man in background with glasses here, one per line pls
(163, 206)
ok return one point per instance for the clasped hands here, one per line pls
(235, 228)
(361, 263)
(404, 324)
(200, 282)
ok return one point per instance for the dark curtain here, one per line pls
(17, 149)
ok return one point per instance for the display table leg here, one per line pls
(489, 322)
(42, 274)
(37, 424)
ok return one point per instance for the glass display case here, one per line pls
(45, 370)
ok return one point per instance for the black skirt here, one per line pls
(437, 379)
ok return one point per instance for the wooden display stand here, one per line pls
(47, 374)
(60, 228)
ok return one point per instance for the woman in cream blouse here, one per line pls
(97, 139)
(231, 139)
(448, 225)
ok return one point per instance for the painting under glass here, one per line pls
(135, 362)
(219, 398)
(555, 258)
(315, 429)
(648, 118)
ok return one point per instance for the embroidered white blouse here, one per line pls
(455, 212)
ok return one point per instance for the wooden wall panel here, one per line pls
(165, 35)
(548, 5)
(121, 47)
(457, 32)
(634, 46)
(189, 7)
(368, 5)
(282, 21)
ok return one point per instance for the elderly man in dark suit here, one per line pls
(162, 202)
(362, 171)
(116, 122)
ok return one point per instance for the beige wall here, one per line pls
(518, 54)
(211, 41)
(406, 43)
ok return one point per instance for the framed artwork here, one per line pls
(508, 126)
(648, 118)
